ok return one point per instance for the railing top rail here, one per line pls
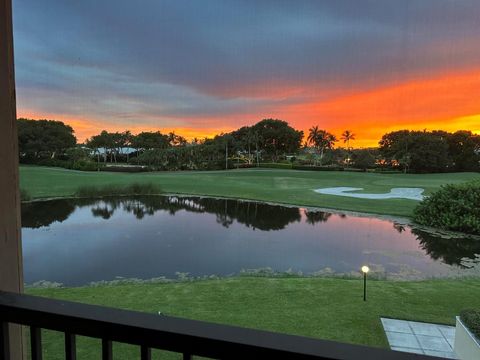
(177, 334)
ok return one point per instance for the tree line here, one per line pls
(431, 151)
(48, 142)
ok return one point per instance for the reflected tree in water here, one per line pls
(104, 208)
(314, 217)
(252, 214)
(462, 252)
(399, 227)
(103, 211)
(44, 213)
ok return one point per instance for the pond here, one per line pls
(76, 242)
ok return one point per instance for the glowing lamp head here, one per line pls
(365, 269)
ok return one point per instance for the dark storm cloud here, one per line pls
(206, 57)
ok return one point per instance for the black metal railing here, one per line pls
(149, 331)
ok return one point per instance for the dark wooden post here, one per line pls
(11, 274)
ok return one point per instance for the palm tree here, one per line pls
(325, 141)
(321, 139)
(347, 135)
(312, 137)
(313, 134)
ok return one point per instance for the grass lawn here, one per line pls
(280, 186)
(314, 307)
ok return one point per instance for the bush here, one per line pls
(244, 166)
(453, 207)
(112, 190)
(385, 171)
(354, 170)
(67, 164)
(201, 157)
(471, 319)
(317, 168)
(276, 165)
(24, 195)
(82, 165)
(129, 169)
(85, 165)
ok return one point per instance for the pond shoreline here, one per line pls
(400, 220)
(288, 244)
(377, 277)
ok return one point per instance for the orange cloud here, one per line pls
(84, 128)
(449, 101)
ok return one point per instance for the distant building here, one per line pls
(103, 151)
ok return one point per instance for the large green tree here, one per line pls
(150, 140)
(176, 140)
(276, 137)
(104, 144)
(364, 158)
(44, 138)
(417, 151)
(464, 148)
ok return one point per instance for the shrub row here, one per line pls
(284, 165)
(83, 165)
(128, 169)
(317, 168)
(471, 319)
(244, 166)
(276, 165)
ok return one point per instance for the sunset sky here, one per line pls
(203, 67)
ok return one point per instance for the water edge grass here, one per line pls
(291, 187)
(92, 191)
(324, 308)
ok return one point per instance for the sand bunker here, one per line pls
(395, 193)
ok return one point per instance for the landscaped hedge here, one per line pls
(243, 166)
(350, 169)
(384, 171)
(67, 164)
(82, 164)
(317, 168)
(86, 165)
(128, 169)
(453, 207)
(276, 165)
(471, 319)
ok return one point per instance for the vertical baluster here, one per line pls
(4, 341)
(106, 349)
(36, 342)
(146, 353)
(70, 346)
(187, 356)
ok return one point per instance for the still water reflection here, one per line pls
(76, 242)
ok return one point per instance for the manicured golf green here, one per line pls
(314, 307)
(280, 186)
(327, 308)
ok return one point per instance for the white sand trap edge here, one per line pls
(395, 193)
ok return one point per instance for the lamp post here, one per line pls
(365, 270)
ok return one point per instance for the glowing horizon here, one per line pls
(369, 114)
(204, 68)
